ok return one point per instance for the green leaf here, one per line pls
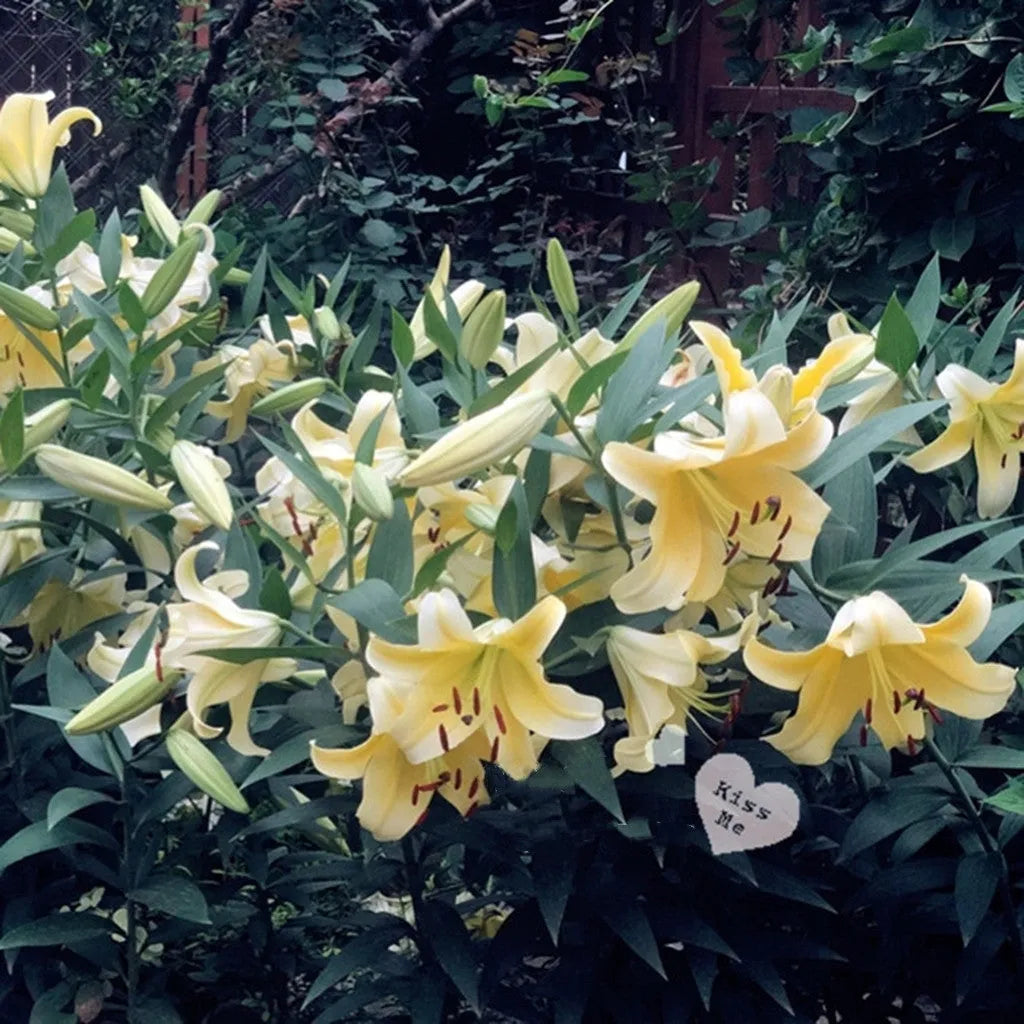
(952, 236)
(449, 941)
(617, 317)
(898, 343)
(1013, 79)
(514, 579)
(379, 233)
(363, 951)
(403, 344)
(1004, 622)
(627, 919)
(95, 379)
(417, 409)
(631, 386)
(391, 555)
(990, 756)
(110, 251)
(1010, 798)
(70, 800)
(37, 838)
(173, 895)
(977, 876)
(274, 595)
(923, 305)
(504, 388)
(438, 329)
(775, 341)
(181, 396)
(307, 472)
(57, 930)
(375, 605)
(845, 450)
(988, 345)
(553, 868)
(12, 430)
(253, 295)
(850, 532)
(584, 763)
(888, 813)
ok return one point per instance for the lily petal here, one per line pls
(967, 621)
(952, 444)
(998, 475)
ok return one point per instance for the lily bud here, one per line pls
(159, 215)
(202, 483)
(9, 241)
(560, 276)
(204, 210)
(123, 700)
(17, 222)
(372, 493)
(485, 439)
(170, 276)
(326, 323)
(483, 517)
(672, 309)
(45, 422)
(237, 276)
(199, 763)
(20, 306)
(291, 396)
(96, 478)
(838, 326)
(483, 331)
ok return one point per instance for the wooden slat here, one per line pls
(748, 99)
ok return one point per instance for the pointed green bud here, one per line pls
(237, 276)
(27, 310)
(291, 396)
(673, 309)
(17, 222)
(123, 700)
(9, 241)
(97, 478)
(326, 323)
(203, 211)
(45, 422)
(562, 283)
(372, 493)
(170, 276)
(200, 480)
(200, 764)
(159, 215)
(483, 331)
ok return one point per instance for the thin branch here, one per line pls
(184, 127)
(359, 101)
(87, 179)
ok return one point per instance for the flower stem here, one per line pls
(991, 847)
(815, 587)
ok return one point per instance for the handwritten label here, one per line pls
(736, 813)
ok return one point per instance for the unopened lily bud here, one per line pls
(483, 517)
(491, 437)
(483, 331)
(291, 396)
(326, 323)
(777, 386)
(45, 422)
(9, 241)
(372, 493)
(124, 699)
(96, 478)
(170, 276)
(673, 309)
(237, 276)
(29, 311)
(159, 215)
(204, 210)
(200, 764)
(202, 483)
(560, 276)
(17, 222)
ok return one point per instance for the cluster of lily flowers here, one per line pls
(689, 567)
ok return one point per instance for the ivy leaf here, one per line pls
(1013, 79)
(898, 342)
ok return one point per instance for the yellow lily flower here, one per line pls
(717, 497)
(989, 418)
(22, 365)
(29, 139)
(876, 660)
(59, 610)
(206, 619)
(397, 792)
(459, 680)
(250, 373)
(750, 585)
(659, 676)
(465, 297)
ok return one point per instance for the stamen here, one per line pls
(755, 512)
(867, 711)
(437, 708)
(466, 719)
(472, 809)
(911, 745)
(494, 748)
(896, 702)
(442, 735)
(863, 735)
(500, 719)
(443, 778)
(934, 712)
(429, 787)
(457, 700)
(422, 818)
(786, 528)
(433, 533)
(457, 781)
(476, 700)
(731, 553)
(919, 700)
(415, 795)
(774, 502)
(735, 523)
(473, 787)
(1002, 461)
(21, 359)
(775, 554)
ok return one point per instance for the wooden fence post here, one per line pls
(193, 173)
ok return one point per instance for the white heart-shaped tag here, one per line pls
(736, 813)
